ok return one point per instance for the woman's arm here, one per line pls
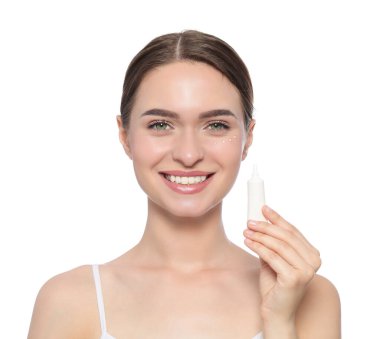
(296, 304)
(318, 315)
(58, 310)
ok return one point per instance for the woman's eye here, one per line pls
(159, 126)
(218, 126)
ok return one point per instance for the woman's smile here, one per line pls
(186, 178)
(187, 182)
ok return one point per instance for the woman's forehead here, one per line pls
(187, 86)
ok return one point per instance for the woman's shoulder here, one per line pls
(320, 308)
(65, 302)
(67, 285)
(322, 288)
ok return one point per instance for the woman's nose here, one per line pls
(188, 149)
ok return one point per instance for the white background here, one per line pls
(68, 195)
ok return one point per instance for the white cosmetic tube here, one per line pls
(256, 196)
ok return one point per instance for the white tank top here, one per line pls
(102, 315)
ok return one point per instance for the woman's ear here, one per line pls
(249, 138)
(123, 136)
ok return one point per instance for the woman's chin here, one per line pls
(188, 210)
(188, 214)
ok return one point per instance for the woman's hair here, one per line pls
(188, 45)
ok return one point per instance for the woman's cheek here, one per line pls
(229, 146)
(150, 147)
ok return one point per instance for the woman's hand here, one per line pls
(288, 264)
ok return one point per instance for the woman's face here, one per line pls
(186, 137)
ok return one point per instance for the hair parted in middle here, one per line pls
(189, 45)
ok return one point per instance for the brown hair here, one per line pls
(193, 46)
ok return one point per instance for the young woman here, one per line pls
(186, 123)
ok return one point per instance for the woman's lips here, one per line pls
(190, 188)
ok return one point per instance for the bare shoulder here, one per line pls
(64, 305)
(319, 314)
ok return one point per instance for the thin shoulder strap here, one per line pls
(99, 296)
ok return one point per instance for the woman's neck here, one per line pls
(184, 244)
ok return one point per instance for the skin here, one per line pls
(185, 279)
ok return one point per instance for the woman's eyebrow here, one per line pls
(173, 115)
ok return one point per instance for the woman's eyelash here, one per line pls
(159, 125)
(218, 125)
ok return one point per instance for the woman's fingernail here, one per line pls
(268, 209)
(252, 222)
(248, 241)
(249, 233)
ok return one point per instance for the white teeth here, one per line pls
(185, 180)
